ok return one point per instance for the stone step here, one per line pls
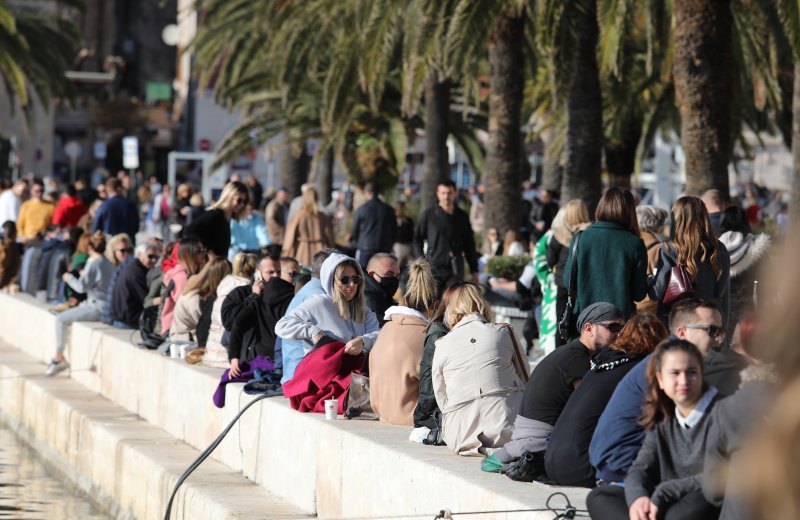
(123, 464)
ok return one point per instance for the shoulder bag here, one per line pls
(518, 357)
(679, 282)
(358, 405)
(566, 323)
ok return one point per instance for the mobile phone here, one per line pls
(257, 276)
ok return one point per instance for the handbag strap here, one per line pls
(573, 270)
(523, 363)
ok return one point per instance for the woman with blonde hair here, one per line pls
(696, 249)
(192, 317)
(394, 362)
(339, 314)
(570, 219)
(213, 228)
(243, 269)
(308, 230)
(478, 378)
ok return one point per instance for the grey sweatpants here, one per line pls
(529, 435)
(83, 312)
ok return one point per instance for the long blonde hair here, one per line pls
(206, 281)
(421, 291)
(227, 198)
(245, 265)
(694, 238)
(354, 309)
(466, 299)
(571, 218)
(308, 202)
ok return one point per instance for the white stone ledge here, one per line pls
(332, 469)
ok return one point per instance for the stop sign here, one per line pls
(204, 145)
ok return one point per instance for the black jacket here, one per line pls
(374, 227)
(127, 299)
(253, 332)
(376, 298)
(424, 413)
(446, 233)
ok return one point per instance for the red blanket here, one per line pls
(323, 374)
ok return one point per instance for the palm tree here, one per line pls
(35, 51)
(702, 74)
(790, 17)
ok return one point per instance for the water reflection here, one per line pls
(27, 491)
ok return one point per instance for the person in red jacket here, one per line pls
(69, 209)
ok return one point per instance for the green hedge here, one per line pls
(508, 267)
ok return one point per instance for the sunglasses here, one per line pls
(346, 280)
(240, 201)
(152, 257)
(611, 327)
(125, 250)
(713, 331)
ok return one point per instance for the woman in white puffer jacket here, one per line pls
(244, 267)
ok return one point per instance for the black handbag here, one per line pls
(566, 323)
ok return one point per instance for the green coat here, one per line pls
(612, 267)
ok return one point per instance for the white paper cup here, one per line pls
(185, 349)
(331, 407)
(174, 351)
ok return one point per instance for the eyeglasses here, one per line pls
(240, 201)
(714, 331)
(152, 257)
(611, 327)
(125, 250)
(346, 280)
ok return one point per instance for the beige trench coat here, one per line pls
(478, 383)
(307, 234)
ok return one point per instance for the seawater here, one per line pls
(28, 491)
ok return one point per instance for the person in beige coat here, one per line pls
(309, 230)
(395, 357)
(478, 378)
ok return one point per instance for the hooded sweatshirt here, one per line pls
(216, 355)
(320, 314)
(260, 319)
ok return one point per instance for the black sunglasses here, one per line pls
(345, 280)
(125, 250)
(152, 257)
(714, 331)
(611, 327)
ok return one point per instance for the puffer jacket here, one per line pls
(216, 354)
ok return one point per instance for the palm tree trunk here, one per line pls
(325, 179)
(702, 75)
(506, 82)
(294, 164)
(552, 171)
(436, 166)
(795, 192)
(621, 156)
(581, 178)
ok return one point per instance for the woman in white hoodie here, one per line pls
(339, 313)
(747, 251)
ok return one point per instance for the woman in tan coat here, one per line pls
(309, 231)
(478, 378)
(395, 357)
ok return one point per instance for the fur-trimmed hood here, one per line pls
(745, 250)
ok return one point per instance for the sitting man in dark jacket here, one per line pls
(127, 297)
(381, 282)
(250, 312)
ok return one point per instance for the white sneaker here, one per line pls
(55, 367)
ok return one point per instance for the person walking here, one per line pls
(309, 230)
(374, 227)
(117, 214)
(448, 234)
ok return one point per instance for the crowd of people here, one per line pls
(646, 316)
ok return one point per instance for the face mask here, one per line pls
(390, 284)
